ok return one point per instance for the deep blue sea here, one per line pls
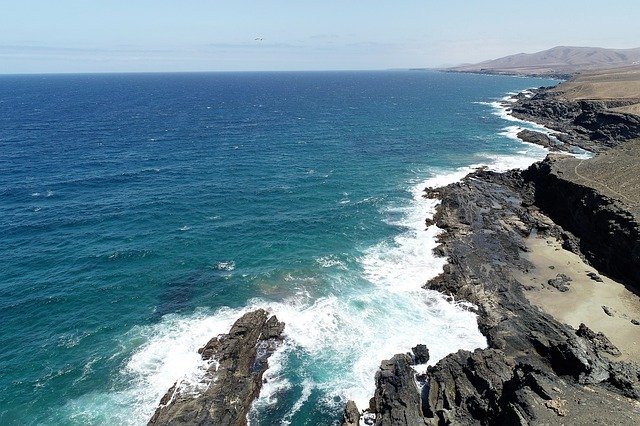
(140, 215)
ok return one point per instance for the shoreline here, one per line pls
(551, 369)
(535, 366)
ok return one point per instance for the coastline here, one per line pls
(535, 367)
(538, 367)
(412, 221)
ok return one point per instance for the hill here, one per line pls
(561, 60)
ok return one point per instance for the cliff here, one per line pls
(536, 369)
(598, 201)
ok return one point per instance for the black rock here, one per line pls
(560, 282)
(595, 277)
(600, 341)
(397, 399)
(233, 381)
(351, 415)
(420, 354)
(607, 310)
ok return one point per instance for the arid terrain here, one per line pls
(558, 61)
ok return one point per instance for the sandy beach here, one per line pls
(584, 300)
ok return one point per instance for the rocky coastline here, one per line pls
(589, 124)
(536, 369)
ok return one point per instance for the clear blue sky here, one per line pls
(199, 35)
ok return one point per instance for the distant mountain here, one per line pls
(557, 61)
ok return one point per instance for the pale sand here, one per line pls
(585, 298)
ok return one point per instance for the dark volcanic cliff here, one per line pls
(536, 370)
(234, 377)
(597, 200)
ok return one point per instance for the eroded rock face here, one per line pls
(351, 415)
(586, 203)
(535, 368)
(397, 399)
(234, 377)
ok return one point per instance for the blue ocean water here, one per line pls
(142, 214)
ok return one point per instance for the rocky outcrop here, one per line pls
(351, 415)
(397, 399)
(587, 124)
(543, 140)
(233, 379)
(535, 369)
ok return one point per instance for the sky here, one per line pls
(60, 36)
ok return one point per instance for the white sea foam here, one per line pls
(226, 266)
(331, 261)
(502, 110)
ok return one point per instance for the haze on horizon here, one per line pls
(249, 35)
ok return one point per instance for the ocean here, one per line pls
(142, 214)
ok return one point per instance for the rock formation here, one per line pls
(535, 370)
(543, 140)
(598, 201)
(234, 377)
(588, 124)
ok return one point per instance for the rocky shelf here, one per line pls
(593, 125)
(237, 362)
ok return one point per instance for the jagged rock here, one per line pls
(600, 341)
(542, 139)
(530, 354)
(560, 282)
(626, 377)
(466, 386)
(234, 378)
(397, 399)
(420, 354)
(351, 415)
(595, 277)
(586, 124)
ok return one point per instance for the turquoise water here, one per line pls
(143, 214)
